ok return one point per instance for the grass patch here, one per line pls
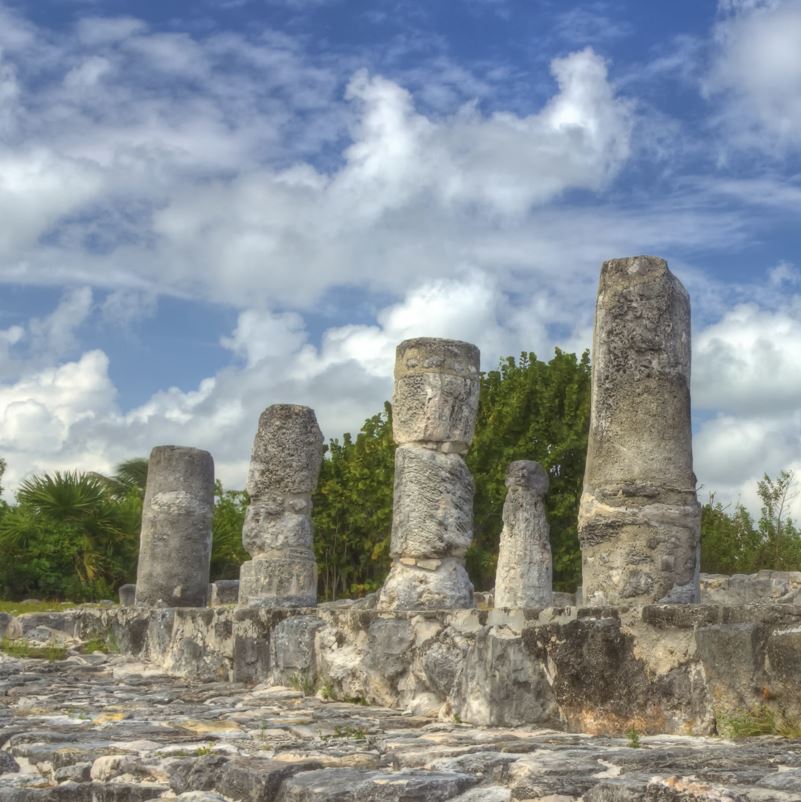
(354, 733)
(104, 644)
(18, 608)
(21, 648)
(633, 738)
(303, 683)
(757, 721)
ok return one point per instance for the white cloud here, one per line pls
(94, 31)
(38, 413)
(747, 373)
(749, 362)
(68, 414)
(757, 71)
(54, 334)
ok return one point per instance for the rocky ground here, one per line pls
(98, 728)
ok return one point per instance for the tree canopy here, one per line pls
(76, 536)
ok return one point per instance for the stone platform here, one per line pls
(97, 728)
(670, 669)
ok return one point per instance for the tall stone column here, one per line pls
(434, 410)
(175, 541)
(639, 519)
(524, 576)
(277, 533)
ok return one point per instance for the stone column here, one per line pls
(639, 519)
(524, 577)
(175, 543)
(284, 468)
(434, 410)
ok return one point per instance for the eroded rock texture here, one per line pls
(277, 533)
(434, 410)
(108, 727)
(639, 517)
(524, 577)
(93, 729)
(175, 542)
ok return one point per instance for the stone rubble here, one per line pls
(639, 517)
(524, 576)
(175, 543)
(277, 533)
(434, 407)
(97, 728)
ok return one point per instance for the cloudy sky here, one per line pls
(210, 207)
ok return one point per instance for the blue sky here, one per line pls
(207, 208)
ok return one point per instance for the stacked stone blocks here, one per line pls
(277, 533)
(434, 408)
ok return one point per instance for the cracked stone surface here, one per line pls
(101, 728)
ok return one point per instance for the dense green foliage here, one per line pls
(540, 411)
(75, 536)
(227, 552)
(68, 537)
(732, 542)
(353, 510)
(528, 409)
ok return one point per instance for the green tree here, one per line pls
(732, 543)
(353, 510)
(729, 540)
(129, 478)
(780, 540)
(530, 409)
(69, 538)
(227, 552)
(3, 503)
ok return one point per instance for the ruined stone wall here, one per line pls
(658, 668)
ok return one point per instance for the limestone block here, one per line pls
(639, 518)
(284, 468)
(500, 683)
(276, 526)
(292, 653)
(436, 392)
(433, 504)
(286, 578)
(287, 452)
(427, 584)
(763, 587)
(224, 591)
(524, 576)
(127, 595)
(175, 544)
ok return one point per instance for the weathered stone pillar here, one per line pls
(284, 468)
(434, 410)
(639, 519)
(524, 576)
(175, 543)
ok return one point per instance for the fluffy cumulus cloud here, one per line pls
(69, 415)
(757, 71)
(249, 171)
(747, 371)
(215, 188)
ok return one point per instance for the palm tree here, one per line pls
(129, 478)
(73, 531)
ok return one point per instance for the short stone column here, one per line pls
(277, 533)
(175, 542)
(524, 577)
(434, 408)
(639, 519)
